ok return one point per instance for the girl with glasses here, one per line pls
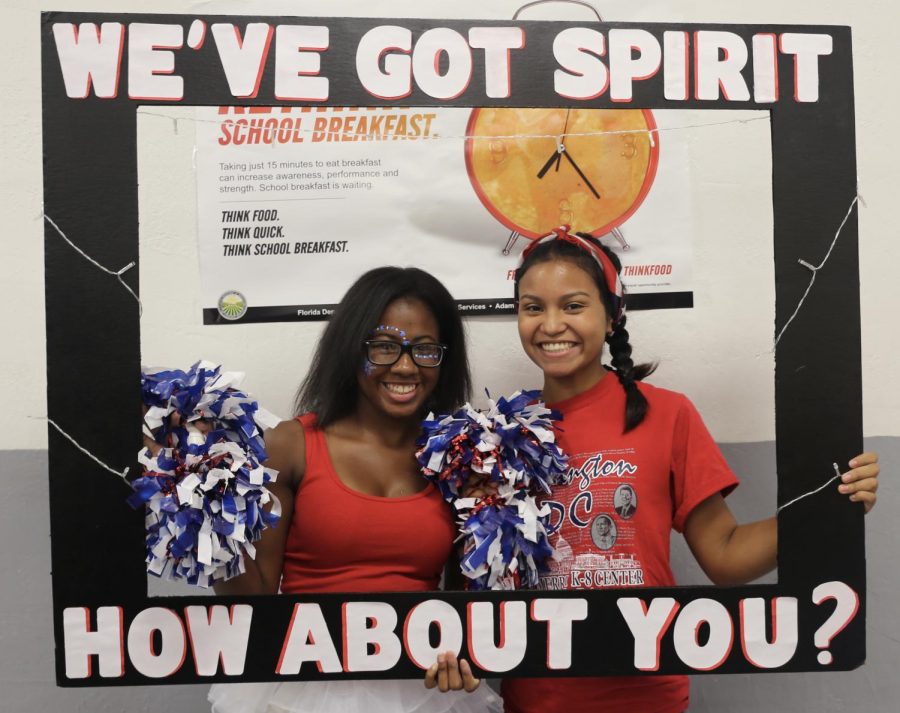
(357, 516)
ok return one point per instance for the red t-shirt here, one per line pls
(612, 522)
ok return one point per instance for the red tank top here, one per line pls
(342, 540)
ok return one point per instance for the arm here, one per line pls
(286, 448)
(727, 552)
(734, 554)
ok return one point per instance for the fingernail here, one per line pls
(845, 477)
(853, 463)
(844, 488)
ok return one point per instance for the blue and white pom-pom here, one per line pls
(509, 451)
(204, 490)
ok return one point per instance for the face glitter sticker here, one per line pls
(391, 329)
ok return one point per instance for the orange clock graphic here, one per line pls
(537, 169)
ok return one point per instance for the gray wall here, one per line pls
(26, 658)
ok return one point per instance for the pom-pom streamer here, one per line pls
(204, 486)
(509, 451)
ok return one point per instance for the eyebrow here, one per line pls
(568, 296)
(396, 338)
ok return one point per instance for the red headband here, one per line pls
(610, 274)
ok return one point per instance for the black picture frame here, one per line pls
(93, 349)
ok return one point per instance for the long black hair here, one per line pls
(330, 388)
(625, 369)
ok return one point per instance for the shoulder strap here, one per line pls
(315, 446)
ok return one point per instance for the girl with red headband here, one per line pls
(641, 463)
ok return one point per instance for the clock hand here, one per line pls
(583, 177)
(562, 140)
(555, 156)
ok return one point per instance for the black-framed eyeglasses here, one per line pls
(382, 352)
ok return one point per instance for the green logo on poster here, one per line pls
(232, 305)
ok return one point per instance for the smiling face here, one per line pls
(401, 390)
(563, 325)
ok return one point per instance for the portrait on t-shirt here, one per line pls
(625, 501)
(603, 532)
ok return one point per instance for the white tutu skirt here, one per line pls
(407, 696)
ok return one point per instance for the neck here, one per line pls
(376, 427)
(558, 388)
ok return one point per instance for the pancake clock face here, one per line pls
(537, 169)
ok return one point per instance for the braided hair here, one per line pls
(627, 372)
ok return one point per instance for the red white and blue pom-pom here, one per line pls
(204, 489)
(509, 451)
